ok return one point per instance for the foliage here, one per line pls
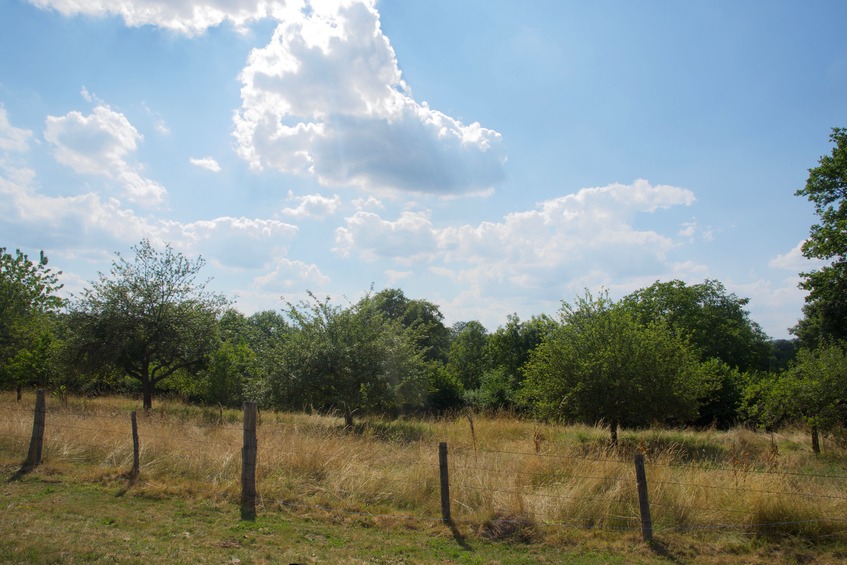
(713, 319)
(28, 305)
(148, 319)
(422, 316)
(602, 364)
(720, 407)
(813, 389)
(825, 312)
(467, 359)
(353, 359)
(508, 349)
(783, 352)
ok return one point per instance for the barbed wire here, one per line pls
(543, 454)
(539, 494)
(453, 467)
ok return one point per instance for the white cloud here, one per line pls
(313, 206)
(159, 123)
(12, 138)
(233, 243)
(369, 202)
(326, 98)
(577, 240)
(99, 144)
(72, 223)
(207, 163)
(795, 261)
(291, 275)
(408, 239)
(189, 17)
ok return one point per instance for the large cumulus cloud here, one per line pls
(326, 98)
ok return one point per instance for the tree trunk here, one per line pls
(147, 388)
(614, 431)
(816, 442)
(348, 417)
(148, 397)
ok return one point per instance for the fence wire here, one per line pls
(464, 471)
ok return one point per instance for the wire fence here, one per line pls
(507, 487)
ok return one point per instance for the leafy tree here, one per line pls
(720, 407)
(825, 311)
(149, 318)
(28, 303)
(353, 359)
(813, 389)
(508, 349)
(422, 315)
(232, 369)
(714, 320)
(783, 352)
(602, 364)
(467, 359)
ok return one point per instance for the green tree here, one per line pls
(353, 359)
(232, 370)
(28, 304)
(713, 320)
(825, 311)
(467, 358)
(508, 349)
(421, 315)
(813, 389)
(149, 318)
(602, 364)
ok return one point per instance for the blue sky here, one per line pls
(490, 156)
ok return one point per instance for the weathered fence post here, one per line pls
(445, 483)
(248, 463)
(643, 503)
(36, 444)
(135, 451)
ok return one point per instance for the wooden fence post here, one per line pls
(643, 503)
(135, 451)
(36, 444)
(248, 463)
(445, 483)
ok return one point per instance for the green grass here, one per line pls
(52, 519)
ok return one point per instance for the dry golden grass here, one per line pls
(508, 478)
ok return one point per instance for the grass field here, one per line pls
(520, 491)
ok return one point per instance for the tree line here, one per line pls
(671, 353)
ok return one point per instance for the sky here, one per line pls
(490, 156)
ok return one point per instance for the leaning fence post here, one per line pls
(135, 455)
(643, 503)
(248, 463)
(36, 444)
(445, 483)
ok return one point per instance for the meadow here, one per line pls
(521, 491)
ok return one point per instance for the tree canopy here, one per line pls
(148, 318)
(602, 364)
(825, 312)
(353, 359)
(28, 300)
(813, 389)
(713, 319)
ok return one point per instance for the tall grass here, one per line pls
(507, 476)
